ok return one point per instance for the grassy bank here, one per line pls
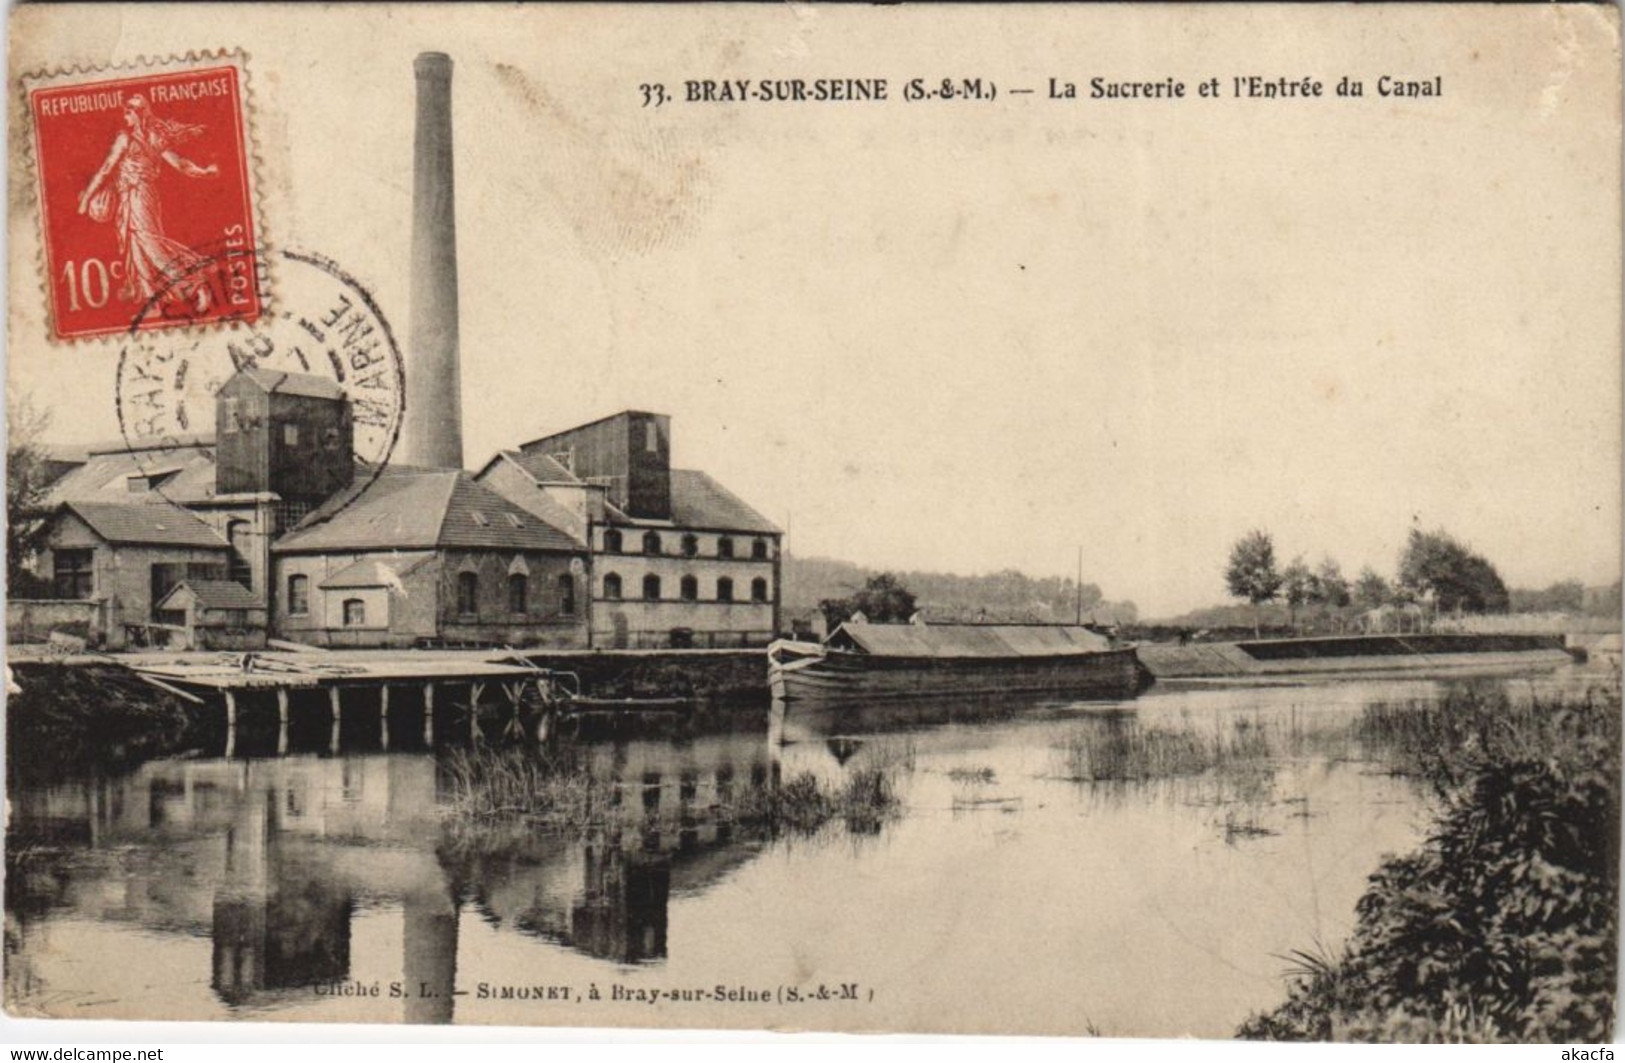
(1502, 925)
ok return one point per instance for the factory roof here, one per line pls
(215, 594)
(181, 474)
(699, 501)
(154, 524)
(542, 468)
(421, 509)
(278, 382)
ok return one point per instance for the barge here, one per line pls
(861, 662)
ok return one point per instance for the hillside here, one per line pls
(1006, 596)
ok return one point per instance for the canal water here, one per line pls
(1009, 889)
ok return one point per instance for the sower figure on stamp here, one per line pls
(152, 261)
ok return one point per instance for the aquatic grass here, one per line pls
(1120, 750)
(974, 776)
(1502, 925)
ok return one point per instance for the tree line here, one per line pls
(1436, 572)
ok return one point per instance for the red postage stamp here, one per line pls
(146, 195)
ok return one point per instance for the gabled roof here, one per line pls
(278, 382)
(420, 509)
(968, 640)
(216, 594)
(105, 477)
(698, 501)
(542, 468)
(153, 524)
(375, 571)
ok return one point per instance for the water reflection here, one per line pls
(286, 887)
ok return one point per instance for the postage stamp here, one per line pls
(137, 169)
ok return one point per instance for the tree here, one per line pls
(883, 600)
(1298, 587)
(1251, 573)
(1371, 591)
(1333, 585)
(1435, 565)
(27, 481)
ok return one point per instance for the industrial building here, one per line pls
(269, 527)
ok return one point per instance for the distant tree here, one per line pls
(1299, 588)
(1251, 573)
(1332, 584)
(883, 600)
(27, 481)
(1435, 565)
(1567, 596)
(1371, 591)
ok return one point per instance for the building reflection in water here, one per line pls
(274, 859)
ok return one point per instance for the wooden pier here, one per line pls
(232, 677)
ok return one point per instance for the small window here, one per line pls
(689, 589)
(73, 574)
(725, 589)
(480, 518)
(355, 612)
(518, 592)
(691, 546)
(290, 435)
(238, 570)
(513, 519)
(468, 594)
(612, 587)
(758, 590)
(725, 547)
(651, 543)
(567, 595)
(298, 595)
(651, 587)
(758, 549)
(651, 437)
(612, 541)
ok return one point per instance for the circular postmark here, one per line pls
(324, 339)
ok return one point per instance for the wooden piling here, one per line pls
(428, 714)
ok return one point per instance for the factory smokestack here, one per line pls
(433, 432)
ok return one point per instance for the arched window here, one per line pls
(758, 549)
(612, 541)
(518, 593)
(355, 612)
(612, 587)
(238, 569)
(725, 547)
(689, 589)
(758, 590)
(691, 545)
(651, 587)
(298, 595)
(725, 589)
(651, 543)
(468, 594)
(567, 595)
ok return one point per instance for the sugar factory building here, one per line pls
(270, 528)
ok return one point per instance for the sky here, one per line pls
(972, 335)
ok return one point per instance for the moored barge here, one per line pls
(860, 661)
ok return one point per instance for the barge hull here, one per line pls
(836, 677)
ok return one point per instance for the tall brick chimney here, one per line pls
(433, 431)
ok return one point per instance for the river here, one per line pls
(1003, 893)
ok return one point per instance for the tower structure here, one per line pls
(432, 434)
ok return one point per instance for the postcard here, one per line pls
(1084, 520)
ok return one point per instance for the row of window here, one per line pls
(688, 588)
(615, 543)
(468, 597)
